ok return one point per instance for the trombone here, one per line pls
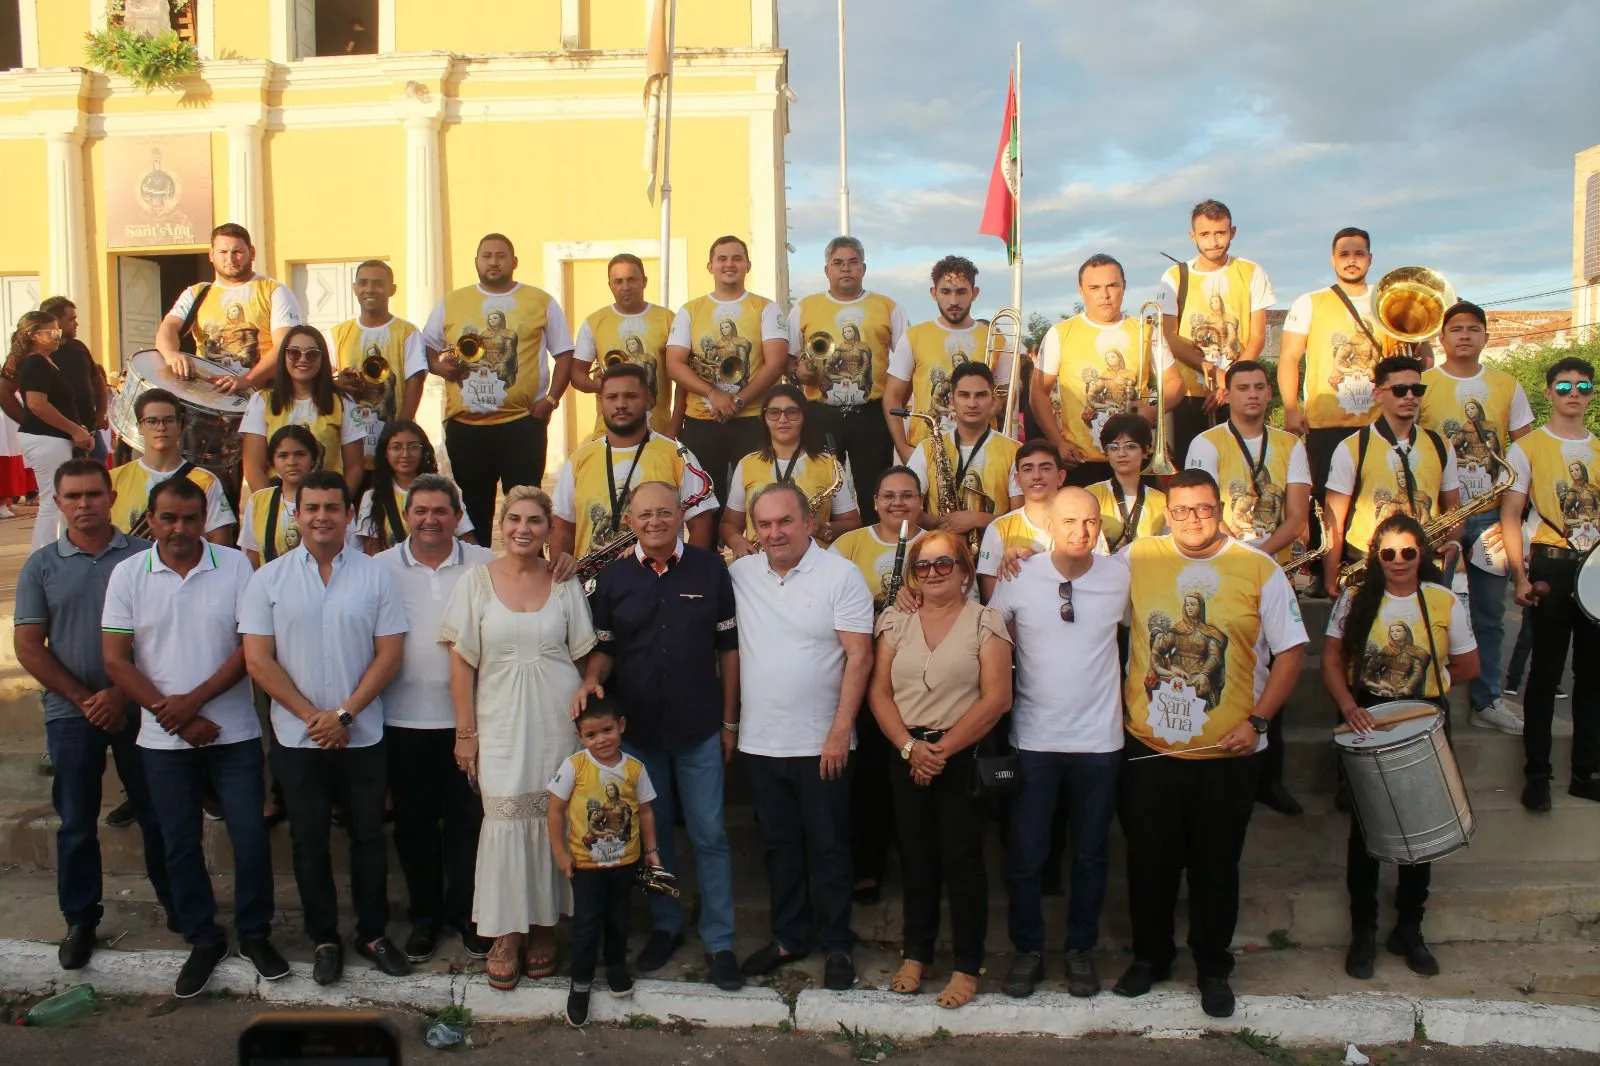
(1005, 338)
(1149, 329)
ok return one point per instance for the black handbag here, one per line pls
(996, 767)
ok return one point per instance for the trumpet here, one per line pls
(375, 370)
(615, 357)
(468, 349)
(820, 347)
(1149, 328)
(1005, 339)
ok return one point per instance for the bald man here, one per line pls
(1063, 607)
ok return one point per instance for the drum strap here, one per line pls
(187, 329)
(1427, 627)
(269, 543)
(1361, 323)
(391, 518)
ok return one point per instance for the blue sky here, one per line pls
(1445, 127)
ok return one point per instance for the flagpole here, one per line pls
(1016, 206)
(666, 158)
(844, 150)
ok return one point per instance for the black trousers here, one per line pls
(862, 434)
(357, 778)
(436, 821)
(1557, 622)
(484, 458)
(1186, 817)
(941, 828)
(600, 900)
(1089, 473)
(1320, 446)
(1189, 420)
(805, 824)
(871, 798)
(718, 447)
(1361, 869)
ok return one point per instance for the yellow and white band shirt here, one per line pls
(1216, 313)
(515, 329)
(609, 337)
(863, 332)
(725, 341)
(235, 325)
(926, 356)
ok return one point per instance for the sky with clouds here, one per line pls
(1447, 128)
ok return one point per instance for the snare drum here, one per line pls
(210, 418)
(1406, 787)
(1586, 587)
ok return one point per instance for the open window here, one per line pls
(335, 28)
(10, 36)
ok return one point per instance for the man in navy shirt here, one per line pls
(664, 618)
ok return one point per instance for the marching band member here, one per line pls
(1554, 468)
(929, 352)
(498, 404)
(848, 384)
(404, 454)
(1213, 312)
(592, 491)
(1018, 534)
(1091, 368)
(1389, 466)
(160, 418)
(302, 392)
(1129, 506)
(980, 458)
(1479, 411)
(1209, 615)
(726, 350)
(872, 548)
(269, 528)
(788, 455)
(1385, 641)
(376, 332)
(242, 320)
(1266, 497)
(631, 330)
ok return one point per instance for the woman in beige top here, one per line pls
(941, 680)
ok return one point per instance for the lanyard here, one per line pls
(611, 479)
(786, 474)
(1387, 433)
(1130, 521)
(963, 466)
(1254, 466)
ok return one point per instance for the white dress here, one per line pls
(526, 679)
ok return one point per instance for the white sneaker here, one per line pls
(6, 512)
(1497, 716)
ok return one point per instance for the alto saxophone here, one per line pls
(619, 541)
(944, 477)
(815, 501)
(1305, 559)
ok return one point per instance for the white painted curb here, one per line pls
(1469, 1023)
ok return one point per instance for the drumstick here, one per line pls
(1185, 751)
(1404, 716)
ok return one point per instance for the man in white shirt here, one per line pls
(1063, 609)
(170, 643)
(324, 630)
(805, 654)
(436, 812)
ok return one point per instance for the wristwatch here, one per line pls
(1258, 723)
(345, 717)
(739, 402)
(905, 751)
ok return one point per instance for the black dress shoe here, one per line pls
(328, 964)
(265, 958)
(1027, 970)
(422, 943)
(1406, 941)
(724, 971)
(1274, 796)
(76, 947)
(1585, 788)
(839, 973)
(658, 951)
(578, 1008)
(385, 956)
(766, 959)
(477, 946)
(1536, 794)
(199, 967)
(1083, 980)
(619, 981)
(1216, 997)
(1363, 954)
(122, 815)
(1139, 978)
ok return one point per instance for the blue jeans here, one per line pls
(1486, 604)
(177, 781)
(1090, 783)
(78, 751)
(692, 780)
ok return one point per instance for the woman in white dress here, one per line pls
(516, 636)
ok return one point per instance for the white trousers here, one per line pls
(44, 454)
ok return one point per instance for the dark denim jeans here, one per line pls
(805, 823)
(1089, 782)
(78, 752)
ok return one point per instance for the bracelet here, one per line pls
(466, 734)
(732, 727)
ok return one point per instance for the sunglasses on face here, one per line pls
(1407, 553)
(1064, 590)
(1566, 388)
(302, 355)
(941, 566)
(1402, 391)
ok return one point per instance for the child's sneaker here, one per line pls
(578, 1008)
(620, 979)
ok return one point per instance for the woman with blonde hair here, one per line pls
(940, 682)
(51, 425)
(516, 634)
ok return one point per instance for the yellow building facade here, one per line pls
(461, 118)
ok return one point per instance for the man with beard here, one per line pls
(375, 331)
(925, 358)
(253, 306)
(498, 409)
(592, 490)
(638, 330)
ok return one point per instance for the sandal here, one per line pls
(907, 980)
(959, 992)
(504, 962)
(536, 969)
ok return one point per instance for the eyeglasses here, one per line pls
(783, 414)
(1064, 590)
(661, 515)
(1566, 388)
(899, 497)
(302, 355)
(159, 423)
(1402, 391)
(1117, 447)
(404, 448)
(941, 566)
(1407, 553)
(1183, 512)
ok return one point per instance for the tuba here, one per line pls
(1410, 303)
(1149, 329)
(1004, 340)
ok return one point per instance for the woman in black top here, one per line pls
(50, 428)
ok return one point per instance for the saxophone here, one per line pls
(814, 504)
(1305, 559)
(619, 541)
(949, 496)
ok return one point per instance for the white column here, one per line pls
(246, 182)
(424, 280)
(571, 25)
(28, 30)
(69, 246)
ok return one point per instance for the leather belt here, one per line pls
(927, 736)
(1553, 553)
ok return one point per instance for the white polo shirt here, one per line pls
(419, 696)
(183, 631)
(791, 661)
(324, 633)
(1069, 674)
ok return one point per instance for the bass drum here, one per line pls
(1586, 589)
(210, 418)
